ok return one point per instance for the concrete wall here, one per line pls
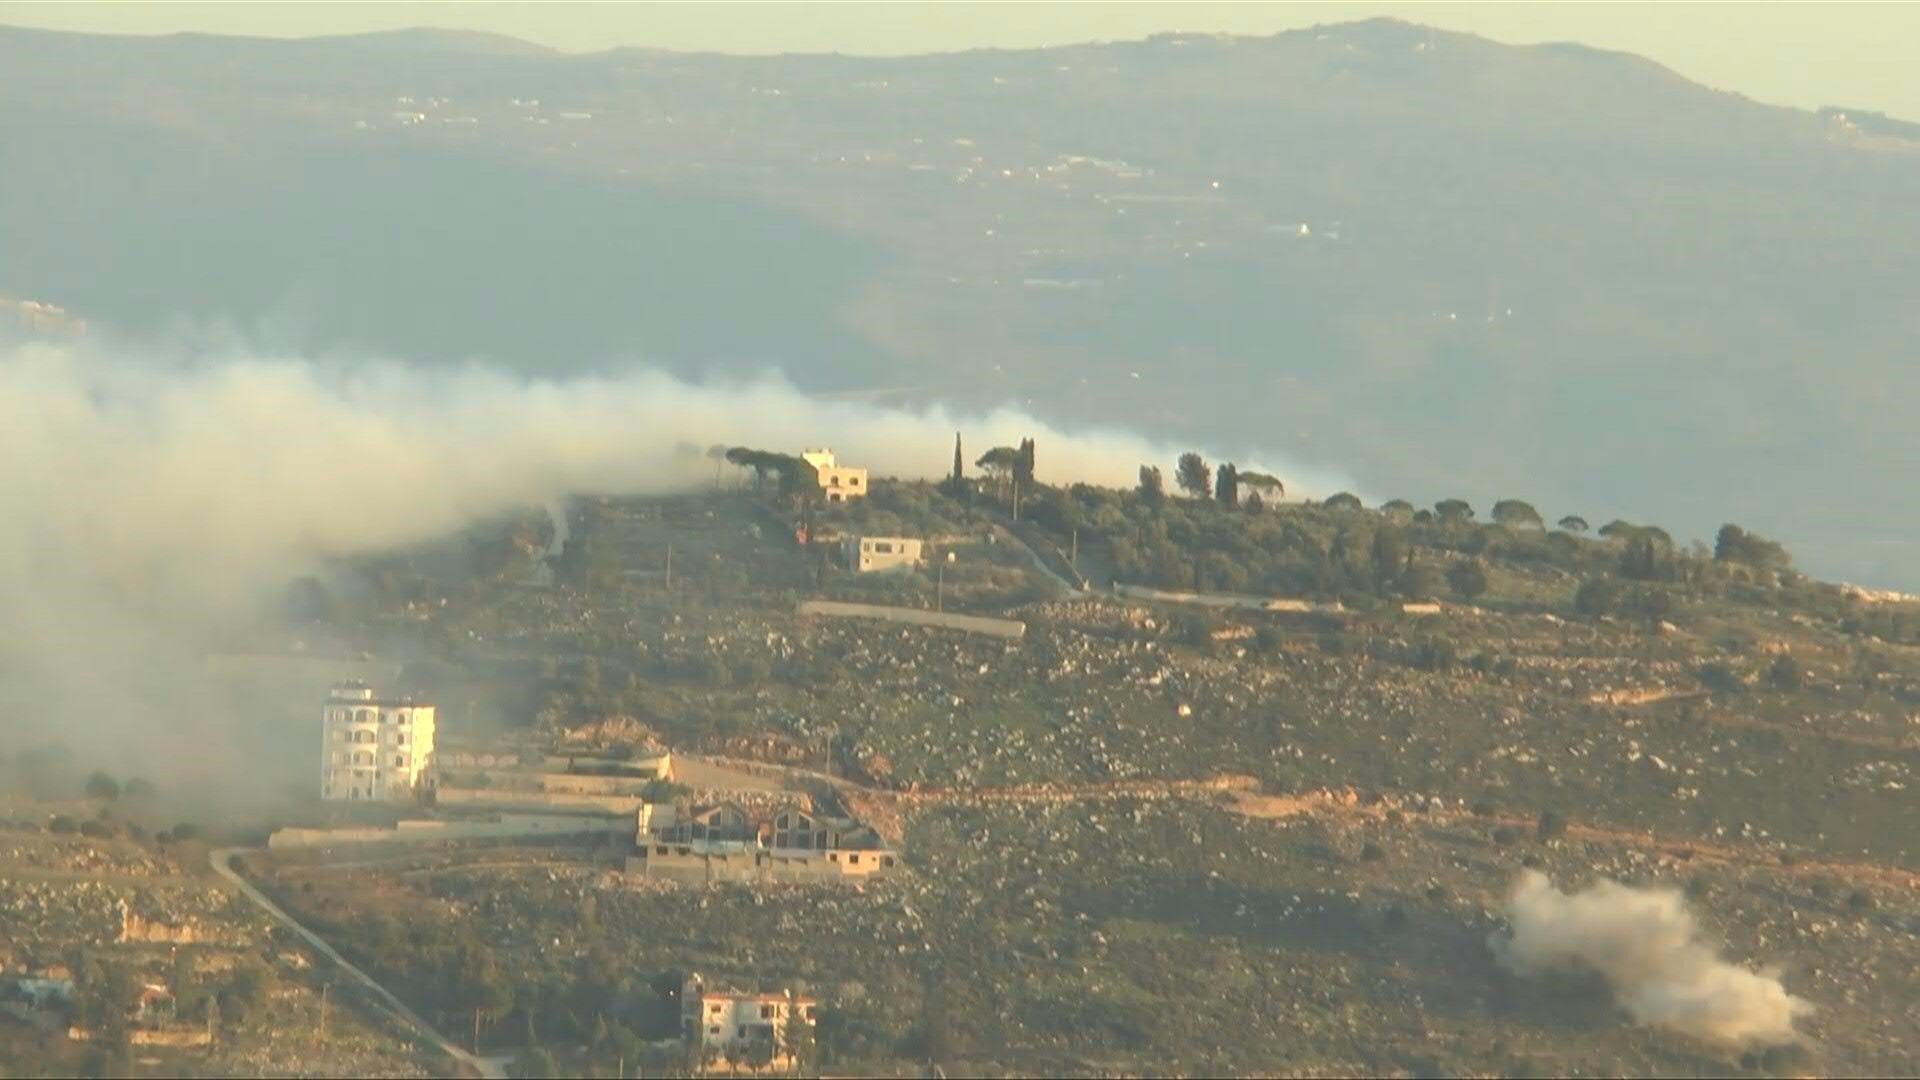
(553, 802)
(418, 832)
(1234, 601)
(972, 624)
(759, 867)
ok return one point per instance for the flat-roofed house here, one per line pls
(880, 554)
(719, 1021)
(840, 482)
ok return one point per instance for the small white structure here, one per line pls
(372, 748)
(877, 554)
(716, 1020)
(840, 482)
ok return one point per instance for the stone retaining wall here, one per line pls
(971, 624)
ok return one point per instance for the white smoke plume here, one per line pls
(1646, 945)
(150, 502)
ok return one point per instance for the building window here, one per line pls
(853, 858)
(881, 547)
(766, 1012)
(401, 738)
(399, 761)
(853, 481)
(714, 1030)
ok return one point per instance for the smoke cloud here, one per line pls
(154, 503)
(1646, 945)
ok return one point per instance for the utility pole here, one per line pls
(1073, 558)
(324, 987)
(939, 585)
(669, 567)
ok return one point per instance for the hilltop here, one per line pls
(1413, 255)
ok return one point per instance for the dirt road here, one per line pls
(1346, 805)
(488, 1068)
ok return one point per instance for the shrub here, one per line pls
(1551, 826)
(1196, 630)
(1785, 673)
(662, 791)
(1422, 583)
(63, 825)
(1596, 597)
(1372, 852)
(1433, 654)
(1467, 579)
(102, 786)
(1721, 678)
(1268, 639)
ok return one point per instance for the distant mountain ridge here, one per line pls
(1442, 264)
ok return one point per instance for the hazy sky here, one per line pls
(1861, 55)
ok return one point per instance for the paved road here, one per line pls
(488, 1068)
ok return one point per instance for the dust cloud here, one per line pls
(1645, 944)
(154, 503)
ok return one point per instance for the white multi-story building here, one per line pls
(716, 1020)
(840, 482)
(373, 748)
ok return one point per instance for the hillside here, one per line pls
(1149, 831)
(1439, 264)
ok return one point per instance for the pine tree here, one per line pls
(1193, 476)
(959, 463)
